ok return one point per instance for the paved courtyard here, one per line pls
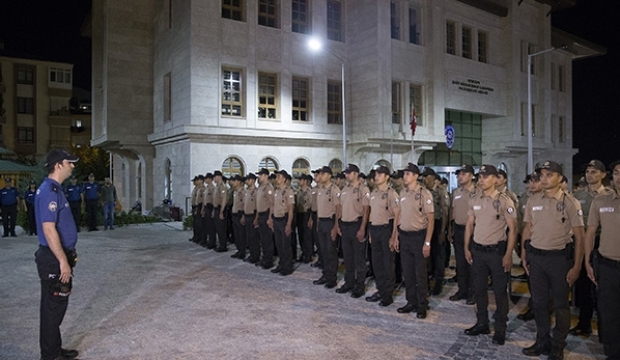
(145, 292)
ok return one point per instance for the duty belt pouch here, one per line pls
(71, 257)
(60, 289)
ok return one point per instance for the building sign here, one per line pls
(449, 132)
(472, 86)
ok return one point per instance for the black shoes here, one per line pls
(537, 350)
(407, 308)
(421, 314)
(386, 302)
(437, 289)
(344, 289)
(250, 260)
(471, 300)
(477, 330)
(266, 266)
(374, 297)
(286, 272)
(580, 331)
(556, 354)
(320, 281)
(526, 316)
(457, 297)
(330, 284)
(276, 270)
(499, 338)
(317, 264)
(358, 293)
(238, 255)
(221, 250)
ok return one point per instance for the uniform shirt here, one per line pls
(382, 205)
(437, 203)
(490, 214)
(238, 198)
(327, 198)
(510, 194)
(314, 192)
(51, 205)
(194, 196)
(282, 198)
(220, 195)
(8, 196)
(108, 193)
(460, 203)
(521, 210)
(585, 198)
(207, 197)
(200, 194)
(545, 214)
(91, 191)
(249, 200)
(29, 197)
(444, 195)
(605, 211)
(264, 197)
(353, 199)
(73, 192)
(415, 205)
(302, 200)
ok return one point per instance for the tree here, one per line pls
(92, 160)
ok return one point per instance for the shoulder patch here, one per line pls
(580, 212)
(510, 210)
(429, 201)
(52, 206)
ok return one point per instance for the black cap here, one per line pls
(72, 177)
(428, 171)
(488, 170)
(503, 173)
(582, 181)
(283, 173)
(382, 170)
(339, 175)
(201, 177)
(237, 177)
(613, 165)
(8, 179)
(195, 178)
(217, 173)
(57, 156)
(209, 176)
(528, 177)
(250, 176)
(32, 182)
(351, 168)
(413, 168)
(263, 171)
(362, 175)
(325, 169)
(466, 168)
(551, 166)
(597, 164)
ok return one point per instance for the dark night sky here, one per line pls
(50, 29)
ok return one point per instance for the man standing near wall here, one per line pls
(91, 199)
(108, 200)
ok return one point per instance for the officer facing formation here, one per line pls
(281, 222)
(29, 201)
(91, 200)
(8, 204)
(74, 195)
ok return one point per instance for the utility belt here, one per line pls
(333, 217)
(411, 233)
(71, 255)
(390, 224)
(280, 218)
(499, 248)
(251, 214)
(607, 262)
(354, 222)
(568, 251)
(263, 213)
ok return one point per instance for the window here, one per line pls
(396, 111)
(394, 20)
(554, 75)
(527, 49)
(334, 102)
(268, 13)
(561, 78)
(334, 21)
(25, 135)
(167, 179)
(269, 164)
(561, 129)
(467, 142)
(415, 103)
(25, 105)
(232, 9)
(267, 96)
(450, 38)
(466, 42)
(232, 166)
(336, 166)
(25, 75)
(167, 98)
(232, 98)
(60, 76)
(414, 26)
(301, 17)
(300, 166)
(300, 99)
(482, 47)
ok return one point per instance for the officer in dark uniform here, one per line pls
(282, 222)
(207, 211)
(552, 261)
(238, 189)
(264, 204)
(8, 203)
(74, 195)
(56, 255)
(490, 213)
(220, 198)
(29, 200)
(91, 198)
(604, 267)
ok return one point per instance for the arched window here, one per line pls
(502, 166)
(383, 162)
(269, 164)
(167, 179)
(232, 166)
(336, 166)
(300, 166)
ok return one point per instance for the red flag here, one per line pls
(414, 122)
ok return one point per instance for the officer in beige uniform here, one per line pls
(490, 214)
(459, 217)
(415, 229)
(249, 211)
(552, 261)
(604, 270)
(355, 201)
(207, 211)
(312, 223)
(282, 222)
(264, 204)
(220, 197)
(383, 230)
(196, 208)
(328, 210)
(238, 194)
(304, 214)
(502, 186)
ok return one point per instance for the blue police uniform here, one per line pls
(52, 206)
(91, 196)
(74, 196)
(8, 203)
(29, 199)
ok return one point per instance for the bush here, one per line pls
(188, 222)
(120, 219)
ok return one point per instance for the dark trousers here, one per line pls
(91, 214)
(438, 255)
(32, 226)
(53, 307)
(548, 272)
(283, 244)
(382, 259)
(300, 228)
(488, 261)
(328, 248)
(584, 293)
(315, 236)
(252, 238)
(220, 228)
(210, 227)
(608, 294)
(9, 218)
(463, 269)
(354, 254)
(414, 266)
(202, 228)
(266, 239)
(305, 236)
(239, 234)
(76, 211)
(197, 224)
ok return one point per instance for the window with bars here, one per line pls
(300, 166)
(394, 21)
(25, 105)
(415, 103)
(300, 99)
(451, 37)
(334, 102)
(301, 16)
(268, 13)
(336, 166)
(232, 166)
(269, 164)
(483, 47)
(267, 96)
(232, 9)
(334, 20)
(232, 96)
(466, 42)
(396, 108)
(25, 135)
(25, 75)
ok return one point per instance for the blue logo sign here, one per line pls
(450, 135)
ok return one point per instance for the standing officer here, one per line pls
(460, 208)
(56, 255)
(355, 203)
(339, 180)
(74, 195)
(501, 186)
(304, 214)
(282, 222)
(548, 258)
(196, 209)
(91, 198)
(236, 185)
(108, 199)
(490, 213)
(415, 230)
(199, 220)
(438, 248)
(595, 173)
(29, 200)
(328, 210)
(8, 203)
(207, 212)
(312, 223)
(264, 204)
(383, 229)
(249, 211)
(220, 198)
(604, 270)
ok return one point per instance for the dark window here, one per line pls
(394, 21)
(414, 31)
(25, 135)
(466, 42)
(25, 75)
(334, 21)
(301, 16)
(268, 13)
(450, 38)
(25, 105)
(334, 102)
(232, 9)
(482, 47)
(300, 99)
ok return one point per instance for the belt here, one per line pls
(250, 214)
(608, 262)
(413, 232)
(540, 252)
(459, 226)
(281, 218)
(389, 224)
(356, 221)
(328, 218)
(487, 248)
(263, 213)
(238, 213)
